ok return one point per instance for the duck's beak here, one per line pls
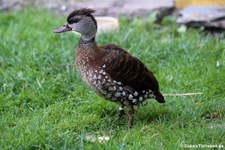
(63, 28)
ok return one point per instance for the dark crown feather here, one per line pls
(81, 12)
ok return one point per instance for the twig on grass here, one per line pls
(184, 94)
(61, 65)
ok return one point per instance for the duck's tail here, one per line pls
(159, 97)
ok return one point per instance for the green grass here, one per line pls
(45, 105)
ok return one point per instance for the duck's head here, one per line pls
(81, 21)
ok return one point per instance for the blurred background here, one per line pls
(209, 14)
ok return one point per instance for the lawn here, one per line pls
(45, 105)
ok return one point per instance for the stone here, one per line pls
(206, 16)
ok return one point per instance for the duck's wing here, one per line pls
(130, 71)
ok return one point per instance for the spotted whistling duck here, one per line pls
(110, 70)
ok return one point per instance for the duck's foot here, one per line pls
(131, 117)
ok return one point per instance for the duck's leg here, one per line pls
(121, 111)
(131, 118)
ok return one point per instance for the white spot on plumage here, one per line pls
(90, 75)
(134, 100)
(123, 93)
(104, 66)
(119, 83)
(135, 93)
(120, 88)
(130, 97)
(111, 88)
(117, 94)
(150, 92)
(140, 98)
(108, 95)
(99, 76)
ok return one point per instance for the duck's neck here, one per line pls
(88, 47)
(87, 37)
(87, 43)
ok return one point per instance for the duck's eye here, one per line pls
(73, 20)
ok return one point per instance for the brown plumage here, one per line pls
(110, 70)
